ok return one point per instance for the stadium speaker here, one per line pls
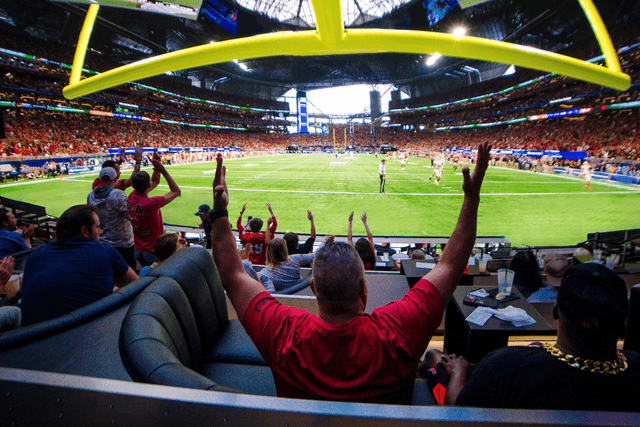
(374, 98)
(2, 134)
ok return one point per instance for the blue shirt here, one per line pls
(68, 274)
(10, 242)
(546, 294)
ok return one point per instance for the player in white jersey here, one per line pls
(587, 171)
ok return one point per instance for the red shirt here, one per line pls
(258, 253)
(146, 220)
(372, 358)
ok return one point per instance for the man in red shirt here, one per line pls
(345, 353)
(255, 238)
(144, 211)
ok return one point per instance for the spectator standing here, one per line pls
(113, 211)
(203, 213)
(13, 238)
(73, 271)
(255, 238)
(144, 211)
(345, 354)
(121, 184)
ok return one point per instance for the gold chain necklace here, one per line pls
(587, 365)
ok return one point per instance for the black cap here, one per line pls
(203, 209)
(594, 297)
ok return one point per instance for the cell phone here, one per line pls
(480, 301)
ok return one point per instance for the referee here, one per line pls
(382, 170)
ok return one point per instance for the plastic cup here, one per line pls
(505, 281)
(611, 262)
(482, 265)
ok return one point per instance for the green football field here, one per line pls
(527, 208)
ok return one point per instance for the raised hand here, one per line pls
(351, 216)
(220, 192)
(364, 217)
(243, 208)
(138, 154)
(329, 239)
(269, 207)
(472, 182)
(309, 215)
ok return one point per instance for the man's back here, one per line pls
(146, 219)
(531, 378)
(68, 274)
(313, 359)
(113, 209)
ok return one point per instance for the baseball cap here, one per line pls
(555, 265)
(203, 209)
(108, 174)
(594, 297)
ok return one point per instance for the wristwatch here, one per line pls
(213, 215)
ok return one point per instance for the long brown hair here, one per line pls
(277, 252)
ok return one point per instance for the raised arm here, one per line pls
(268, 235)
(155, 178)
(366, 227)
(273, 225)
(350, 229)
(313, 226)
(240, 287)
(174, 190)
(454, 259)
(137, 157)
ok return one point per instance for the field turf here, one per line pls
(527, 208)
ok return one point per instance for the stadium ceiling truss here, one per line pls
(331, 38)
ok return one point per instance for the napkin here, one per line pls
(517, 316)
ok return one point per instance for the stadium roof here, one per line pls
(124, 36)
(300, 12)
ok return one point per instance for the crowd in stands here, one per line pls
(107, 241)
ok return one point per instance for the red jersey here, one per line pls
(372, 358)
(258, 253)
(146, 220)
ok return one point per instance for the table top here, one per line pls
(494, 324)
(417, 267)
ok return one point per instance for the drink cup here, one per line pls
(611, 262)
(482, 265)
(505, 281)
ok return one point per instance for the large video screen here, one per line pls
(222, 14)
(438, 9)
(181, 8)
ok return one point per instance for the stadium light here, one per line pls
(459, 32)
(433, 59)
(241, 65)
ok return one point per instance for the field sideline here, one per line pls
(527, 208)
